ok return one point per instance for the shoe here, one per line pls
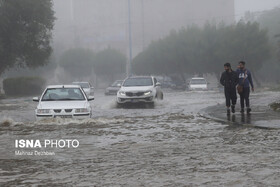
(242, 110)
(248, 110)
(228, 111)
(232, 108)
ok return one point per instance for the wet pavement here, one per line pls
(177, 143)
(262, 116)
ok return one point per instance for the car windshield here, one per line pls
(115, 84)
(138, 82)
(198, 81)
(63, 94)
(82, 84)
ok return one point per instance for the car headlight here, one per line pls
(43, 111)
(81, 110)
(148, 92)
(122, 93)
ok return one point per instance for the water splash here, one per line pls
(7, 122)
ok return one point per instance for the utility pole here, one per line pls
(143, 29)
(71, 10)
(130, 39)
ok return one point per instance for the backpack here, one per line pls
(240, 87)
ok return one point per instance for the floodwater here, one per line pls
(173, 144)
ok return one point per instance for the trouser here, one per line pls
(244, 96)
(231, 97)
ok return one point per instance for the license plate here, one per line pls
(64, 116)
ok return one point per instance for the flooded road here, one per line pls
(172, 144)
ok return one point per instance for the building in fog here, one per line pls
(97, 24)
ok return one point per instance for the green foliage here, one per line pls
(25, 32)
(278, 45)
(270, 21)
(205, 50)
(23, 86)
(79, 62)
(109, 62)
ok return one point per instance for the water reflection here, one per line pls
(233, 118)
(246, 118)
(243, 119)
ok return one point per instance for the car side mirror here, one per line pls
(90, 98)
(158, 84)
(36, 99)
(119, 85)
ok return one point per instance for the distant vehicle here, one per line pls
(178, 85)
(86, 87)
(198, 83)
(64, 101)
(139, 89)
(177, 82)
(166, 82)
(114, 88)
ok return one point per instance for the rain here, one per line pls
(139, 93)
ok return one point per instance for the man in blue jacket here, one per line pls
(245, 80)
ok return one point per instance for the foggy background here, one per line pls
(101, 24)
(242, 6)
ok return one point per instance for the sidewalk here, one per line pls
(262, 116)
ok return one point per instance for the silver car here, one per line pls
(86, 87)
(114, 88)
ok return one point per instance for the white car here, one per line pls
(198, 83)
(139, 89)
(86, 87)
(64, 101)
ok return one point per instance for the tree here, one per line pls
(278, 43)
(269, 20)
(25, 33)
(109, 63)
(78, 62)
(204, 50)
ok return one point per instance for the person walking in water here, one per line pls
(245, 80)
(229, 80)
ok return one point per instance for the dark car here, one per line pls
(114, 88)
(179, 85)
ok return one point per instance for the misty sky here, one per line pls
(241, 6)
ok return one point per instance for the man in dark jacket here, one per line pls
(229, 80)
(245, 80)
